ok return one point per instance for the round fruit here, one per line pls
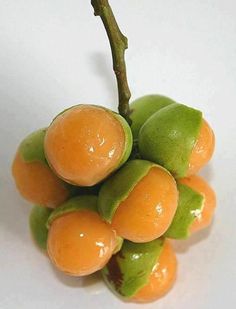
(198, 184)
(190, 206)
(140, 201)
(144, 107)
(170, 138)
(79, 242)
(38, 219)
(162, 277)
(129, 270)
(202, 150)
(86, 143)
(34, 179)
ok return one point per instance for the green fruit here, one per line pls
(38, 219)
(129, 270)
(31, 148)
(189, 206)
(87, 202)
(117, 188)
(168, 137)
(144, 107)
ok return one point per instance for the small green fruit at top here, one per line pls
(168, 137)
(144, 107)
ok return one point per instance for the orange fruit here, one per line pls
(149, 208)
(202, 150)
(162, 276)
(80, 243)
(198, 184)
(37, 183)
(86, 143)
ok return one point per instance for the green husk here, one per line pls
(117, 187)
(129, 270)
(88, 202)
(37, 221)
(189, 206)
(168, 137)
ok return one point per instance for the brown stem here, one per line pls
(119, 44)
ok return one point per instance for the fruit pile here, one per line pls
(109, 196)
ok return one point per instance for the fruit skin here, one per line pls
(84, 202)
(162, 277)
(119, 195)
(130, 268)
(37, 183)
(118, 187)
(30, 161)
(31, 148)
(128, 138)
(79, 242)
(199, 185)
(144, 107)
(149, 209)
(37, 221)
(168, 137)
(202, 150)
(127, 145)
(189, 206)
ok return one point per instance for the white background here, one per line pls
(54, 54)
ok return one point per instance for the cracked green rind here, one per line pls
(117, 187)
(129, 270)
(189, 205)
(168, 137)
(126, 128)
(144, 107)
(84, 202)
(31, 149)
(37, 221)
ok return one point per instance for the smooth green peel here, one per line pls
(144, 107)
(37, 221)
(31, 148)
(168, 137)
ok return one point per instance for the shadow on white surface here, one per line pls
(93, 283)
(208, 172)
(182, 246)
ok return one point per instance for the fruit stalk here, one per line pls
(119, 44)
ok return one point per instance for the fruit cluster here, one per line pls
(109, 196)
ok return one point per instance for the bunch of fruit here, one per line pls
(109, 196)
